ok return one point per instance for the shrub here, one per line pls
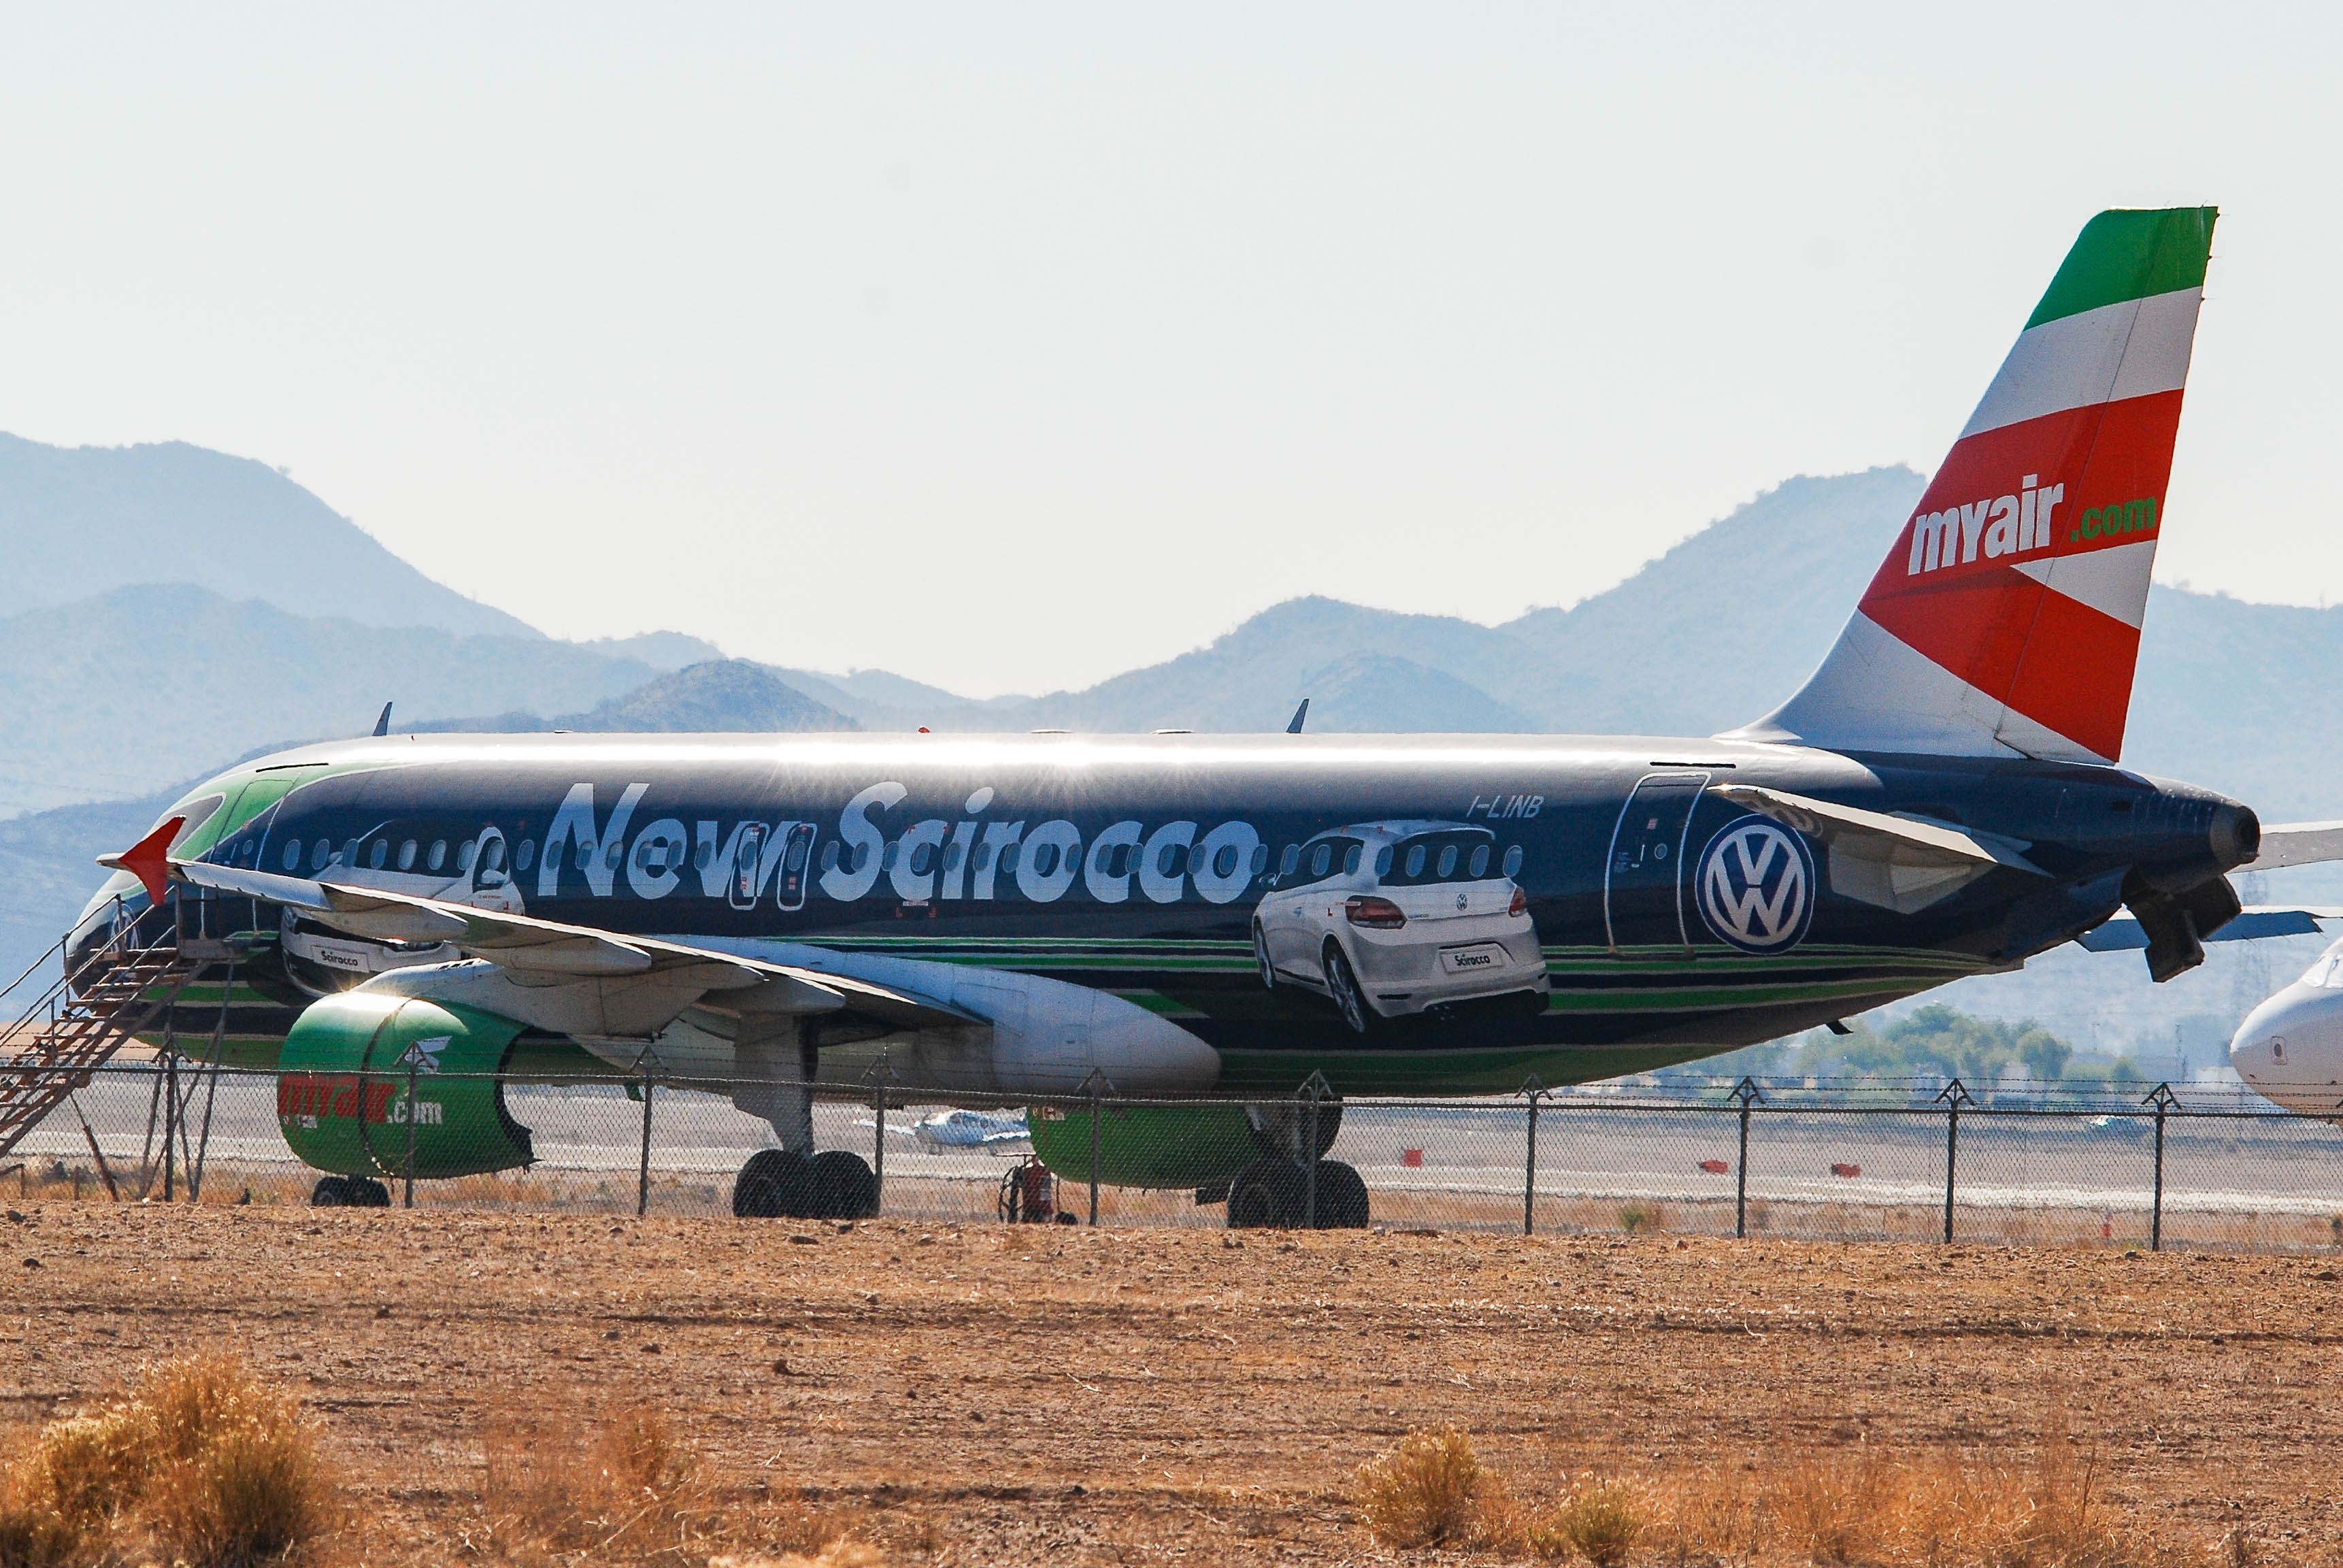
(1424, 1493)
(1600, 1522)
(1638, 1216)
(215, 1469)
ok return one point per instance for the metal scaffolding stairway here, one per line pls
(96, 1004)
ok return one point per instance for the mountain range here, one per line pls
(176, 608)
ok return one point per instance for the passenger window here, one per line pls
(828, 856)
(1322, 860)
(1010, 854)
(1288, 862)
(407, 856)
(1383, 860)
(464, 856)
(349, 855)
(585, 855)
(439, 856)
(1416, 855)
(861, 858)
(1172, 861)
(982, 857)
(293, 854)
(493, 857)
(703, 857)
(1447, 861)
(1224, 863)
(923, 856)
(610, 857)
(887, 860)
(1480, 861)
(379, 854)
(1045, 860)
(1513, 861)
(796, 854)
(527, 854)
(1350, 859)
(1259, 858)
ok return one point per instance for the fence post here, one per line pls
(1533, 1091)
(879, 1077)
(1747, 1092)
(643, 1170)
(413, 1064)
(1952, 1098)
(170, 1111)
(2164, 1099)
(1097, 1087)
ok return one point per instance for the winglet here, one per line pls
(382, 724)
(1300, 714)
(149, 859)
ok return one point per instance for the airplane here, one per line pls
(1206, 922)
(961, 1129)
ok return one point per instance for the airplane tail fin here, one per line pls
(2005, 619)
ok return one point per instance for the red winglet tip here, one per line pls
(150, 858)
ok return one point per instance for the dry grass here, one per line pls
(1427, 1492)
(1825, 1508)
(629, 1490)
(202, 1463)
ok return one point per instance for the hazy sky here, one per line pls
(1009, 346)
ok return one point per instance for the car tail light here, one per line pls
(1521, 904)
(1379, 913)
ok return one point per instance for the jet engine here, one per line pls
(368, 1077)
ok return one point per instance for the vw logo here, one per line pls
(1756, 886)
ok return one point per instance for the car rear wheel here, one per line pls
(1260, 957)
(1343, 986)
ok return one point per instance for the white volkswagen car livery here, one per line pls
(1389, 919)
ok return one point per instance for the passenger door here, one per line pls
(1643, 880)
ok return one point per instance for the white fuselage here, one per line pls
(2289, 1049)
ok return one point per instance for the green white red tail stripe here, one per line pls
(2006, 617)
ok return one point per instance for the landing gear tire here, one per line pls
(844, 1188)
(1260, 957)
(348, 1192)
(1264, 1196)
(1343, 985)
(773, 1183)
(1341, 1197)
(1275, 1195)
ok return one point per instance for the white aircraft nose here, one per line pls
(2290, 1048)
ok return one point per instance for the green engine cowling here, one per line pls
(342, 1087)
(1160, 1146)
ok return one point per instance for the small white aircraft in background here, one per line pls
(2289, 1049)
(962, 1129)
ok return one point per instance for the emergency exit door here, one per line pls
(1643, 880)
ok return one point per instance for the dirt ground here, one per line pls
(1000, 1396)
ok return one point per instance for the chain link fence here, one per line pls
(2115, 1165)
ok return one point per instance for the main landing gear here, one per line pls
(1275, 1193)
(348, 1192)
(782, 1183)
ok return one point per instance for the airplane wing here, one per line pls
(2298, 844)
(552, 950)
(2122, 932)
(1898, 863)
